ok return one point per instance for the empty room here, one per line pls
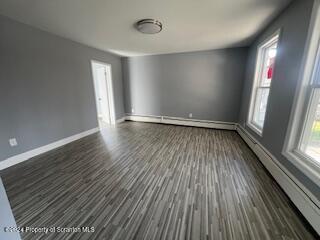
(142, 120)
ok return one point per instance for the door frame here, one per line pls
(109, 85)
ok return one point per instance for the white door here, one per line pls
(103, 107)
(103, 92)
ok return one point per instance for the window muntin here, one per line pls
(264, 74)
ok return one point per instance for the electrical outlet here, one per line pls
(13, 142)
(190, 115)
(132, 110)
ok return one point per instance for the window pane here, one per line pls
(311, 137)
(268, 65)
(260, 106)
(316, 79)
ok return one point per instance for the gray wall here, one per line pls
(207, 84)
(294, 22)
(46, 91)
(6, 216)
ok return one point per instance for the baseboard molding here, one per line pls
(183, 121)
(120, 120)
(303, 199)
(34, 152)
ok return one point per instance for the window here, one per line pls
(310, 140)
(308, 144)
(263, 77)
(302, 144)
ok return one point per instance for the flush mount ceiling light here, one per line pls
(149, 26)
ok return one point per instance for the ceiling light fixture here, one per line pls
(149, 26)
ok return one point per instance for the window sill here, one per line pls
(255, 129)
(304, 164)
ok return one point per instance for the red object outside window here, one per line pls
(270, 68)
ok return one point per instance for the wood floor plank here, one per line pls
(152, 181)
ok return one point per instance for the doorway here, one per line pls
(102, 79)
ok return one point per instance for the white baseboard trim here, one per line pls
(120, 120)
(34, 152)
(183, 122)
(303, 199)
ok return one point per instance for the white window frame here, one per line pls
(275, 37)
(302, 100)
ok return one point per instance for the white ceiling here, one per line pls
(188, 25)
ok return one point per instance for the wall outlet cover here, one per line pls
(190, 115)
(132, 110)
(13, 142)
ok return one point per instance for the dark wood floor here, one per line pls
(152, 181)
